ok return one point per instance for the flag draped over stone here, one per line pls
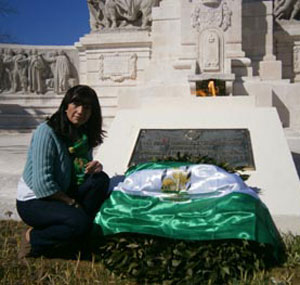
(187, 201)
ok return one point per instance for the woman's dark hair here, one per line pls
(80, 95)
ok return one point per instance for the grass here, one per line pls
(42, 270)
(95, 270)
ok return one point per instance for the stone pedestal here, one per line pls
(112, 62)
(113, 57)
(288, 42)
(270, 70)
(274, 173)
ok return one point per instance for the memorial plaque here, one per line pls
(223, 145)
(118, 67)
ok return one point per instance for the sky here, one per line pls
(46, 22)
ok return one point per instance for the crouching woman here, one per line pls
(62, 187)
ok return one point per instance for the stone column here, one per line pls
(269, 68)
(241, 65)
(234, 38)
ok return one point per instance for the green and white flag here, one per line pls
(187, 201)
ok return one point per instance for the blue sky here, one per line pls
(46, 22)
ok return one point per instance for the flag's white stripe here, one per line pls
(199, 181)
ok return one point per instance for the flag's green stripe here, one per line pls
(156, 165)
(234, 216)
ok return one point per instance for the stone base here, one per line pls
(270, 70)
(275, 172)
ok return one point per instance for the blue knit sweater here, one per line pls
(48, 167)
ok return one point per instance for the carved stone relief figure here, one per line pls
(227, 13)
(96, 9)
(35, 73)
(8, 68)
(132, 66)
(120, 13)
(2, 84)
(297, 59)
(212, 13)
(51, 60)
(287, 9)
(19, 72)
(62, 73)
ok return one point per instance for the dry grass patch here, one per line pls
(123, 267)
(45, 271)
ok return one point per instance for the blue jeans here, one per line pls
(55, 223)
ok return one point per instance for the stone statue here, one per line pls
(20, 65)
(35, 73)
(62, 73)
(286, 9)
(120, 13)
(96, 8)
(51, 61)
(8, 69)
(2, 72)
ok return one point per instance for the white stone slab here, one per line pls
(275, 172)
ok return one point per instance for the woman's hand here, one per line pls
(93, 166)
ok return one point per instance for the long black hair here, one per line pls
(81, 95)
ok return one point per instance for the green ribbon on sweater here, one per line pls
(79, 150)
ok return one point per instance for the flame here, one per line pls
(212, 88)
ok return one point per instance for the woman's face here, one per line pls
(78, 114)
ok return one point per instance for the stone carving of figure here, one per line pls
(8, 69)
(132, 66)
(20, 65)
(297, 59)
(35, 73)
(62, 73)
(207, 15)
(96, 8)
(120, 13)
(51, 61)
(227, 13)
(296, 10)
(2, 71)
(286, 9)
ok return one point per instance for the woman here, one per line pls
(62, 188)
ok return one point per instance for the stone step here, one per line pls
(17, 118)
(26, 111)
(15, 109)
(46, 100)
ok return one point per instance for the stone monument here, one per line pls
(194, 68)
(177, 65)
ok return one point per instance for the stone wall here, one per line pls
(37, 69)
(32, 82)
